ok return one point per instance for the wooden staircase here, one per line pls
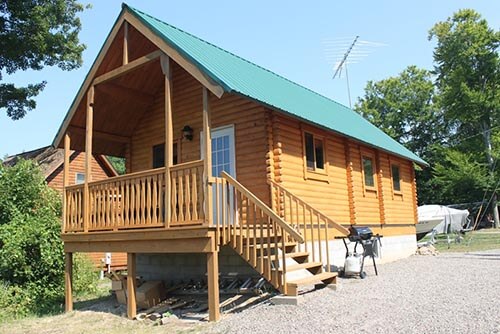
(266, 241)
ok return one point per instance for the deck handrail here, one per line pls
(124, 177)
(137, 200)
(327, 219)
(266, 209)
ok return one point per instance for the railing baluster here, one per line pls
(283, 265)
(154, 209)
(319, 239)
(328, 268)
(147, 180)
(254, 250)
(173, 206)
(194, 195)
(188, 193)
(181, 196)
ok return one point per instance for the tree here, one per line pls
(34, 34)
(31, 250)
(405, 108)
(468, 77)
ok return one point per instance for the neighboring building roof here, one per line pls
(237, 75)
(50, 159)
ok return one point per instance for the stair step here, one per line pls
(273, 245)
(292, 255)
(305, 265)
(321, 277)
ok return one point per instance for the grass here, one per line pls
(96, 313)
(471, 242)
(78, 322)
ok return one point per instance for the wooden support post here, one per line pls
(213, 286)
(131, 286)
(88, 158)
(68, 282)
(207, 154)
(67, 152)
(125, 42)
(169, 137)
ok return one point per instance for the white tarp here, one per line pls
(454, 220)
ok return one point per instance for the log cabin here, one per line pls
(50, 161)
(229, 165)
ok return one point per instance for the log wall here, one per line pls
(247, 117)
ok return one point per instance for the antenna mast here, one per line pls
(343, 64)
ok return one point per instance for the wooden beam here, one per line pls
(114, 91)
(125, 43)
(68, 282)
(101, 135)
(207, 157)
(122, 70)
(169, 136)
(67, 153)
(213, 286)
(88, 157)
(188, 245)
(88, 81)
(187, 65)
(131, 286)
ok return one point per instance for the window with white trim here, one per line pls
(79, 178)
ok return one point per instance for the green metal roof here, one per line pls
(237, 75)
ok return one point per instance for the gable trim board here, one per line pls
(221, 71)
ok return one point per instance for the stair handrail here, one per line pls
(330, 221)
(266, 209)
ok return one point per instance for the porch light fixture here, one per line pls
(187, 132)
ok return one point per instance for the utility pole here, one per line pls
(491, 166)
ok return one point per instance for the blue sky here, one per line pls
(288, 37)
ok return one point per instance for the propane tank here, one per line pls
(352, 264)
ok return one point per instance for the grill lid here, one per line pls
(360, 233)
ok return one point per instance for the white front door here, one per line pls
(223, 159)
(223, 156)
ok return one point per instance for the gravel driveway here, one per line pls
(448, 293)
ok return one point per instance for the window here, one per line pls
(368, 171)
(315, 152)
(396, 183)
(79, 178)
(159, 155)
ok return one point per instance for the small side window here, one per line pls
(368, 171)
(79, 178)
(315, 152)
(396, 183)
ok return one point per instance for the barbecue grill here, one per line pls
(361, 236)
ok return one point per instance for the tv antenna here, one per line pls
(344, 51)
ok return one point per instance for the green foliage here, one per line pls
(468, 68)
(404, 107)
(31, 250)
(117, 163)
(85, 276)
(460, 178)
(34, 34)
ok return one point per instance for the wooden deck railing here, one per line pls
(73, 221)
(252, 229)
(187, 193)
(313, 224)
(137, 200)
